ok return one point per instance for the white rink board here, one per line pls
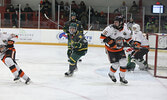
(58, 36)
(50, 36)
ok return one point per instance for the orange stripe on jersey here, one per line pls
(13, 70)
(122, 70)
(12, 49)
(3, 59)
(112, 49)
(112, 70)
(146, 46)
(22, 73)
(127, 40)
(10, 42)
(102, 37)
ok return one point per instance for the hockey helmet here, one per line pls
(136, 27)
(119, 25)
(73, 14)
(73, 28)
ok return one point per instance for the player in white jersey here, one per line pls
(141, 47)
(7, 55)
(113, 36)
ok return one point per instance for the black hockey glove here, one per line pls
(110, 42)
(69, 52)
(131, 43)
(135, 45)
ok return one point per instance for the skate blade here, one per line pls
(68, 75)
(28, 83)
(17, 81)
(125, 84)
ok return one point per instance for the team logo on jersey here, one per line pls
(62, 37)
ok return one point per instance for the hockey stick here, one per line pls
(52, 21)
(86, 32)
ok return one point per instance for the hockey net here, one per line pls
(157, 56)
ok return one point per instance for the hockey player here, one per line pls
(78, 46)
(141, 47)
(79, 28)
(113, 36)
(130, 23)
(73, 20)
(7, 54)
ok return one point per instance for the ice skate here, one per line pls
(28, 81)
(17, 79)
(112, 77)
(69, 73)
(122, 80)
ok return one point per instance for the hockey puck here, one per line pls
(80, 60)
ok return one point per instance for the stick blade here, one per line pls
(46, 16)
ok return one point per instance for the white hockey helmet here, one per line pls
(136, 27)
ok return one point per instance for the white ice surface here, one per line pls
(46, 66)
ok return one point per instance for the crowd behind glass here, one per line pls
(16, 16)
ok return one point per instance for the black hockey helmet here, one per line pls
(120, 20)
(73, 14)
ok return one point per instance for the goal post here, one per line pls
(157, 56)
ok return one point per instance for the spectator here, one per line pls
(84, 19)
(17, 8)
(61, 6)
(7, 18)
(74, 7)
(134, 8)
(156, 26)
(82, 7)
(102, 20)
(46, 7)
(56, 6)
(92, 14)
(149, 25)
(27, 8)
(11, 8)
(66, 9)
(122, 9)
(95, 21)
(165, 24)
(130, 23)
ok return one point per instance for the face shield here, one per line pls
(72, 29)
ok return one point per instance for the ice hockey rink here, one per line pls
(46, 65)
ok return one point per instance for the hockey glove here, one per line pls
(77, 45)
(131, 43)
(69, 52)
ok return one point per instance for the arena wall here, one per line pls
(58, 37)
